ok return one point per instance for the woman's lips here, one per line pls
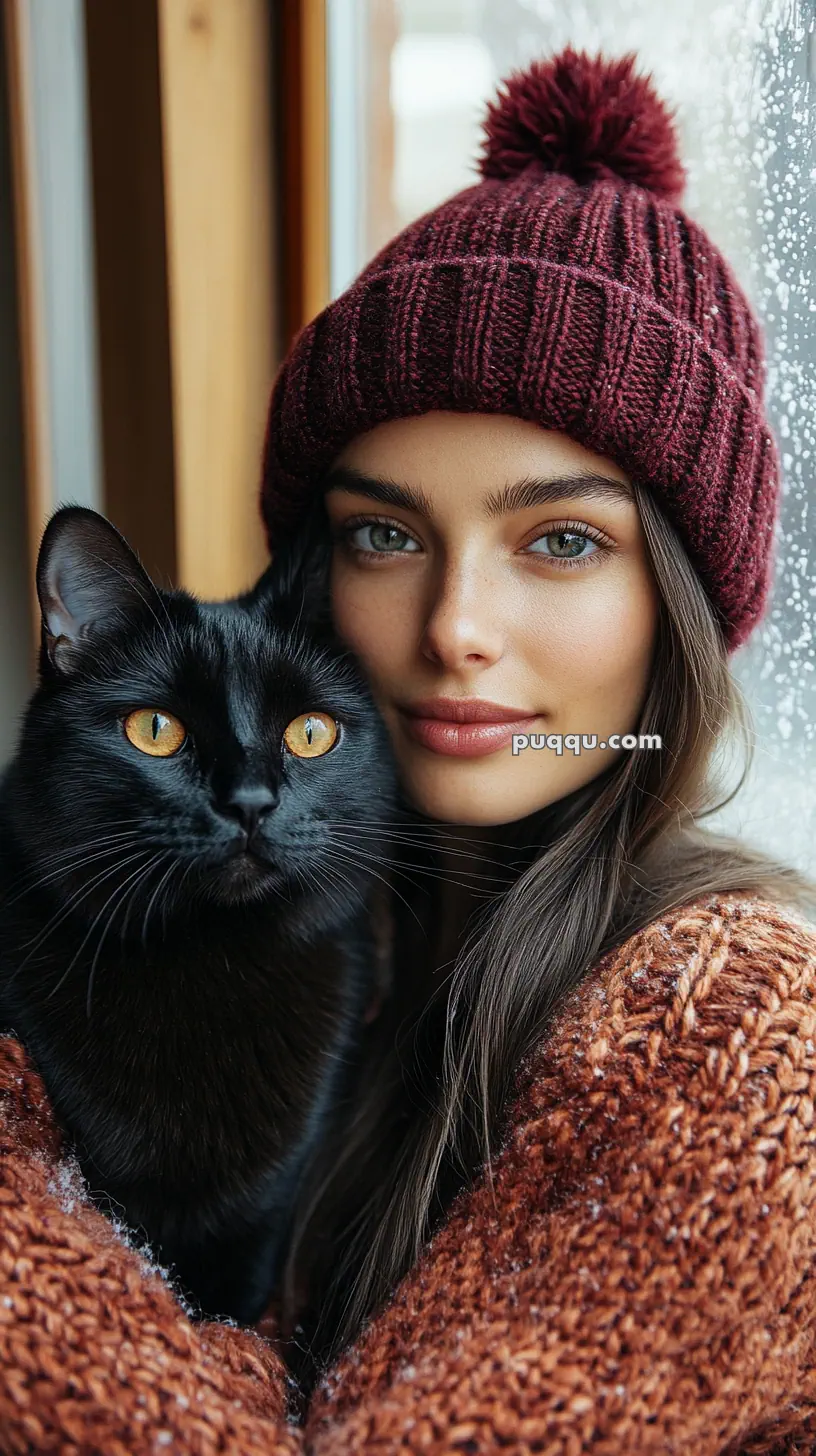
(464, 740)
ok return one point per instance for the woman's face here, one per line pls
(483, 559)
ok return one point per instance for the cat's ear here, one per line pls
(295, 586)
(88, 579)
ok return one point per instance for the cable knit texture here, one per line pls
(567, 287)
(639, 1278)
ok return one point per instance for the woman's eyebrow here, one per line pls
(388, 492)
(531, 491)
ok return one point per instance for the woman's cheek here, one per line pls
(598, 627)
(345, 617)
(591, 656)
(367, 614)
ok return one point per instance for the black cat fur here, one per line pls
(193, 1008)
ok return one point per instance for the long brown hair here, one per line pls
(440, 1061)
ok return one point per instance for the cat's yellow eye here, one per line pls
(310, 735)
(155, 732)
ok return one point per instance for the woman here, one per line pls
(571, 1204)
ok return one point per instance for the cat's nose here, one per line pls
(249, 804)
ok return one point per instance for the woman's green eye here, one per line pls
(384, 538)
(572, 538)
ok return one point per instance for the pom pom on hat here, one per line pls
(586, 118)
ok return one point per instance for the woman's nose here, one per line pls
(463, 624)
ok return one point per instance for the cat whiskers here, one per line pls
(361, 855)
(123, 926)
(432, 834)
(65, 910)
(329, 874)
(165, 877)
(419, 837)
(97, 917)
(138, 874)
(113, 844)
(498, 882)
(366, 862)
(358, 856)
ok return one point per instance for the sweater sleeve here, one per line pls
(642, 1279)
(97, 1355)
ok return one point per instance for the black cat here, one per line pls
(185, 930)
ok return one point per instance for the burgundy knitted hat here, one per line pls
(568, 288)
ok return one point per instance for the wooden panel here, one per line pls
(315, 159)
(131, 277)
(17, 640)
(302, 110)
(214, 67)
(30, 295)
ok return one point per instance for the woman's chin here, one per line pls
(459, 797)
(497, 788)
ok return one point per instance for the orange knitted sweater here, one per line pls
(641, 1278)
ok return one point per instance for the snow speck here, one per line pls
(67, 1184)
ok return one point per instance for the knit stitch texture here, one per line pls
(639, 1279)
